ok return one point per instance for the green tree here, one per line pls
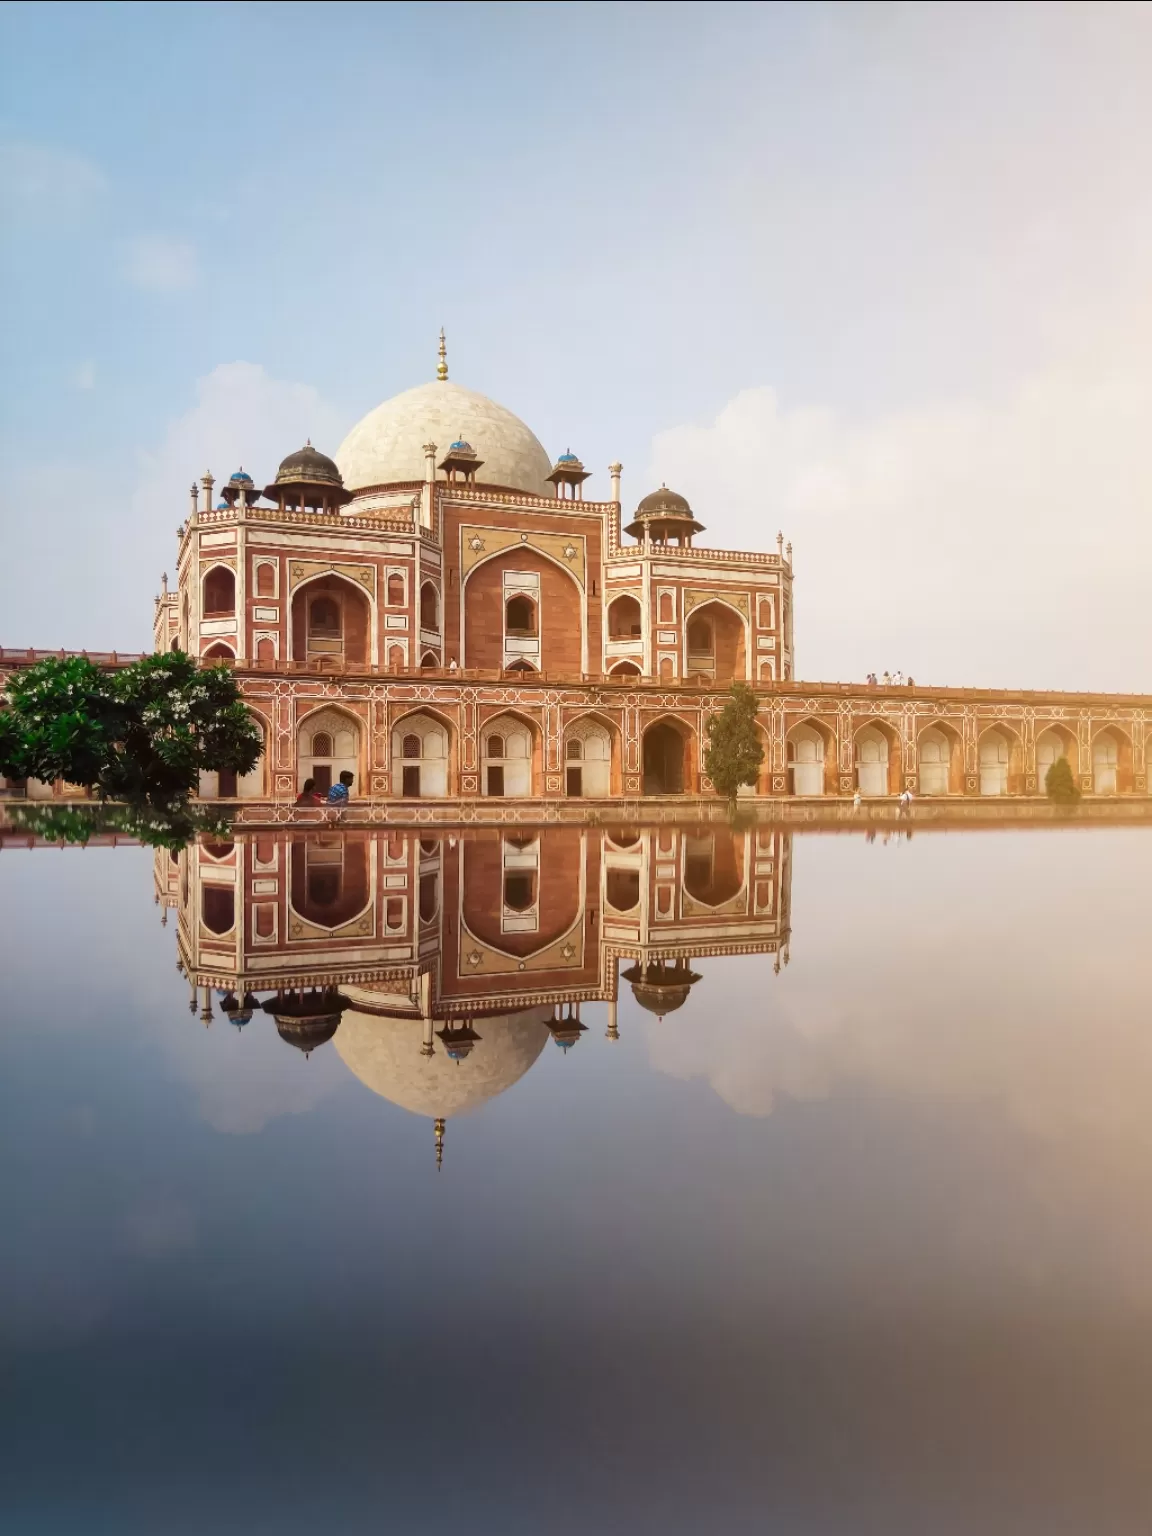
(145, 731)
(735, 749)
(1061, 786)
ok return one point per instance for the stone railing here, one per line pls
(703, 555)
(331, 521)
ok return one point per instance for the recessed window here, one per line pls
(520, 616)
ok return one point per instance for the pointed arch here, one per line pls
(877, 757)
(510, 753)
(423, 753)
(333, 620)
(668, 756)
(810, 753)
(341, 744)
(940, 759)
(218, 592)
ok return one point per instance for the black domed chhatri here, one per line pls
(661, 987)
(307, 1019)
(309, 478)
(664, 513)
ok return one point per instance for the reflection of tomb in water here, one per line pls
(439, 964)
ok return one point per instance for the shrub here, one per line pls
(1061, 786)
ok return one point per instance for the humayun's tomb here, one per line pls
(441, 611)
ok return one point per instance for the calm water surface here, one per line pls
(860, 1242)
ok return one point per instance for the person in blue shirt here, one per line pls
(339, 793)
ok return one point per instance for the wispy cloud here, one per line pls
(41, 186)
(83, 375)
(161, 264)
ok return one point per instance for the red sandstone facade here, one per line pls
(459, 622)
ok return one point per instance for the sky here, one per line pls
(877, 276)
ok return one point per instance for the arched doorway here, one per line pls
(331, 621)
(935, 750)
(716, 647)
(994, 754)
(667, 764)
(807, 753)
(1105, 764)
(588, 760)
(328, 744)
(506, 757)
(625, 669)
(219, 652)
(420, 757)
(872, 761)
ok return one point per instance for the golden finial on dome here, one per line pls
(442, 365)
(438, 1128)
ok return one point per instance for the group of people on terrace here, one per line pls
(889, 680)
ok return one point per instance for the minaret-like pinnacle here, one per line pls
(442, 365)
(439, 1133)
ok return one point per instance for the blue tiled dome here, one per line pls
(460, 443)
(241, 477)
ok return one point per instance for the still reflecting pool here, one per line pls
(643, 1179)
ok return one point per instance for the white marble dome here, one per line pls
(385, 1055)
(388, 444)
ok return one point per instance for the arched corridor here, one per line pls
(716, 648)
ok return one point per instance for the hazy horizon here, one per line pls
(876, 276)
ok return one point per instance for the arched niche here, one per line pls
(668, 754)
(507, 756)
(420, 756)
(331, 621)
(810, 750)
(877, 753)
(716, 637)
(940, 760)
(330, 878)
(625, 619)
(327, 745)
(218, 593)
(588, 758)
(713, 867)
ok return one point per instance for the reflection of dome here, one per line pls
(661, 986)
(388, 445)
(385, 1055)
(306, 1019)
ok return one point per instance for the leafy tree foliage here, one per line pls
(171, 825)
(735, 749)
(146, 731)
(1060, 784)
